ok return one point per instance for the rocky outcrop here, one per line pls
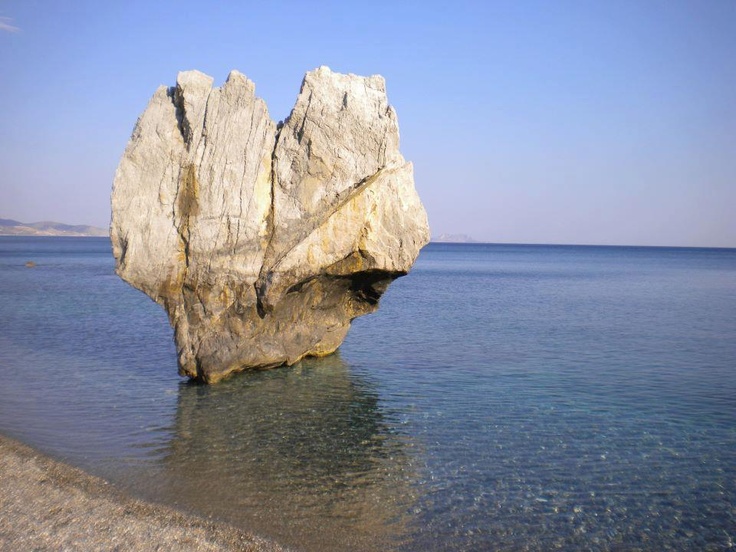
(264, 241)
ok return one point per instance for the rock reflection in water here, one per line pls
(305, 455)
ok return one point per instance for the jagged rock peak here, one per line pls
(264, 243)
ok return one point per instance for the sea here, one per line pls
(503, 397)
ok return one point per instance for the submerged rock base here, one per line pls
(264, 241)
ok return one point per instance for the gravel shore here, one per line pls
(48, 505)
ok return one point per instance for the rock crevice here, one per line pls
(264, 241)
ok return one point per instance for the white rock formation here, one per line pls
(263, 242)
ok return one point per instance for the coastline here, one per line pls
(49, 505)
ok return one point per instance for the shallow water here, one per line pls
(503, 397)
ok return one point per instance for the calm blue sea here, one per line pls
(504, 397)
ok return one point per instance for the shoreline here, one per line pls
(50, 505)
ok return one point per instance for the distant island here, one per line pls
(46, 228)
(453, 238)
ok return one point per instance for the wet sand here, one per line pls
(48, 505)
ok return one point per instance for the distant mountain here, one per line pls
(453, 238)
(10, 227)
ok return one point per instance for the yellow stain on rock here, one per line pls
(187, 202)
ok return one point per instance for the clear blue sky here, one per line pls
(603, 122)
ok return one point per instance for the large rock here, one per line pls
(262, 241)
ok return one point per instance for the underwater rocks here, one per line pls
(264, 241)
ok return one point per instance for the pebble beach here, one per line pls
(48, 505)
